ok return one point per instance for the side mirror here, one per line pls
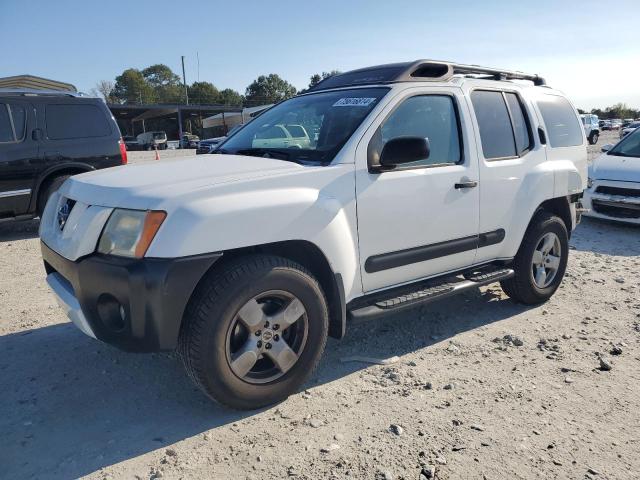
(607, 147)
(404, 150)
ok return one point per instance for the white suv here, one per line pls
(425, 179)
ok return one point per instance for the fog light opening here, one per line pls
(111, 312)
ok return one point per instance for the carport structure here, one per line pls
(133, 117)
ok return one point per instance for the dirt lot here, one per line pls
(483, 389)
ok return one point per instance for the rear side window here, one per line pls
(494, 123)
(520, 126)
(296, 131)
(76, 121)
(563, 127)
(6, 132)
(503, 124)
(433, 117)
(13, 119)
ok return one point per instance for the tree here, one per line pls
(160, 75)
(229, 96)
(131, 87)
(165, 83)
(104, 89)
(268, 89)
(316, 78)
(203, 93)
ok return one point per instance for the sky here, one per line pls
(588, 49)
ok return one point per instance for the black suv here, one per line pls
(45, 137)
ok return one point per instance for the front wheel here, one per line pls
(254, 331)
(46, 193)
(540, 262)
(593, 139)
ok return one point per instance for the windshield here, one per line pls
(306, 129)
(629, 146)
(159, 135)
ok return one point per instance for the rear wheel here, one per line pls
(540, 262)
(46, 193)
(254, 331)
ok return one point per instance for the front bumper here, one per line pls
(613, 200)
(134, 304)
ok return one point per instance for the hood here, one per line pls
(143, 185)
(611, 167)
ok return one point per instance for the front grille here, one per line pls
(625, 192)
(616, 210)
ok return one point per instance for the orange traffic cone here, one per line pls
(157, 153)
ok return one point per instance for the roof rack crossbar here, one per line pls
(496, 73)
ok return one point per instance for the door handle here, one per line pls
(467, 184)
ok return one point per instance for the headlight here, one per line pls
(128, 233)
(589, 182)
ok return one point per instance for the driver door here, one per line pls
(419, 219)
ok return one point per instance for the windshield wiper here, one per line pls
(266, 153)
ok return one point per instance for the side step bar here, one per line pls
(424, 293)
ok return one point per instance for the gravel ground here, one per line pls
(483, 388)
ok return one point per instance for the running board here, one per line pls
(424, 293)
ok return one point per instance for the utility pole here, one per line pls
(186, 95)
(184, 81)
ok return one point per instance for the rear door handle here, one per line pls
(468, 184)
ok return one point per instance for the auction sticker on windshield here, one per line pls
(354, 102)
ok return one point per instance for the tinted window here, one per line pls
(330, 118)
(520, 127)
(296, 130)
(275, 131)
(6, 132)
(492, 115)
(563, 128)
(76, 121)
(427, 116)
(19, 116)
(628, 147)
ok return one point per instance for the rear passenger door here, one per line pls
(18, 156)
(512, 174)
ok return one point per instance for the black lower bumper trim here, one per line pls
(152, 293)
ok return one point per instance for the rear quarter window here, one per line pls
(76, 121)
(563, 127)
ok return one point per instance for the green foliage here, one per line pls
(203, 93)
(160, 75)
(132, 87)
(619, 110)
(229, 96)
(268, 89)
(158, 84)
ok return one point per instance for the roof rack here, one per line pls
(38, 92)
(497, 73)
(421, 70)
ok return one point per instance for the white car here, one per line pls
(614, 182)
(427, 179)
(281, 136)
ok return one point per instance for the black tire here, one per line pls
(210, 315)
(52, 186)
(522, 287)
(593, 138)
